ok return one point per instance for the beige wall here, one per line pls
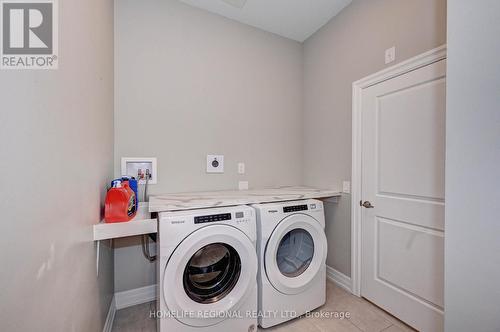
(281, 107)
(350, 47)
(132, 270)
(56, 129)
(190, 83)
(472, 246)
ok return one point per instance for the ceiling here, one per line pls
(294, 19)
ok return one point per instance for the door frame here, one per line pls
(399, 69)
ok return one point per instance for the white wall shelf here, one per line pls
(141, 224)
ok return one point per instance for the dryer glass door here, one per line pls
(295, 253)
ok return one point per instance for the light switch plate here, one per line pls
(215, 163)
(346, 187)
(390, 55)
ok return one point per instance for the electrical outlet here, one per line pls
(346, 187)
(243, 185)
(390, 55)
(241, 168)
(215, 163)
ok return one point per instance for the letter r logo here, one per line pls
(27, 27)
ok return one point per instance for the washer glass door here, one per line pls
(211, 273)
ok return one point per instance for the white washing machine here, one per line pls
(292, 248)
(207, 270)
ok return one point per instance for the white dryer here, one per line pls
(207, 270)
(292, 248)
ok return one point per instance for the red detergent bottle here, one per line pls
(120, 203)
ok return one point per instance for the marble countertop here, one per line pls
(197, 200)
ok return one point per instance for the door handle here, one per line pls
(366, 204)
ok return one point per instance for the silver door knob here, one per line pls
(367, 204)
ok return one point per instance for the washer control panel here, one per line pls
(212, 218)
(238, 217)
(176, 225)
(295, 208)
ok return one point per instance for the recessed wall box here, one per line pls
(132, 165)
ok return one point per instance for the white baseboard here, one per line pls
(108, 324)
(135, 296)
(339, 278)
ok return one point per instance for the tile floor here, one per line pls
(364, 317)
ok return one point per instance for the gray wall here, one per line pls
(348, 48)
(472, 246)
(193, 83)
(56, 129)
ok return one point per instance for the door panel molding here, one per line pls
(387, 272)
(399, 69)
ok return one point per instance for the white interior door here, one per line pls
(403, 159)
